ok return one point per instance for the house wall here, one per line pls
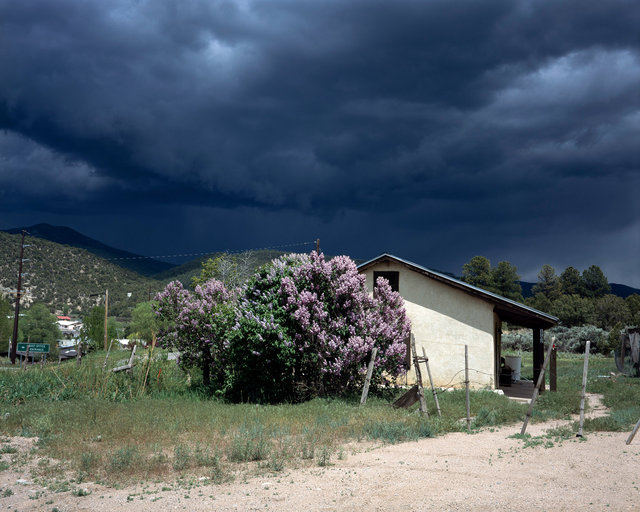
(443, 321)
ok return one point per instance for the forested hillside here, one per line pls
(65, 278)
(66, 236)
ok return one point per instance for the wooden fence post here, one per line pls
(423, 405)
(433, 389)
(367, 380)
(26, 359)
(466, 383)
(537, 389)
(104, 365)
(553, 375)
(633, 432)
(584, 386)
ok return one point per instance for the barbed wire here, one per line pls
(470, 381)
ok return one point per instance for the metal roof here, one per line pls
(508, 310)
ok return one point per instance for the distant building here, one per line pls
(69, 328)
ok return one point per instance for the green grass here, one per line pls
(121, 433)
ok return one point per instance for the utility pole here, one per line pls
(318, 245)
(106, 309)
(16, 315)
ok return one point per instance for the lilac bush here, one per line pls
(311, 325)
(300, 327)
(262, 353)
(196, 325)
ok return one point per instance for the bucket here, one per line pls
(514, 363)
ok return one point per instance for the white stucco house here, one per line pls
(446, 314)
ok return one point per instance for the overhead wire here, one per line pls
(182, 255)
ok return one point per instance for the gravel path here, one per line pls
(484, 471)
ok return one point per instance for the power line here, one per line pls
(182, 255)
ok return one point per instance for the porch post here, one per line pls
(538, 355)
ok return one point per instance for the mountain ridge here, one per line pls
(65, 235)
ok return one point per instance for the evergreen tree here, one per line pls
(594, 282)
(633, 303)
(540, 302)
(548, 283)
(573, 310)
(477, 272)
(506, 281)
(571, 281)
(611, 310)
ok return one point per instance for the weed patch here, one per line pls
(249, 444)
(125, 459)
(397, 432)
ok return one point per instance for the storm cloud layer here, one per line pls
(435, 130)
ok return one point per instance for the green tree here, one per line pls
(41, 326)
(506, 281)
(594, 282)
(613, 340)
(231, 269)
(573, 310)
(212, 268)
(92, 333)
(144, 322)
(548, 283)
(571, 281)
(477, 272)
(611, 310)
(633, 303)
(6, 324)
(540, 302)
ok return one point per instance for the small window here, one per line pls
(392, 276)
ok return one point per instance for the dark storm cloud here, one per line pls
(484, 119)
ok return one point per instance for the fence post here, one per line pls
(104, 365)
(433, 389)
(553, 376)
(466, 383)
(633, 432)
(423, 405)
(537, 389)
(584, 386)
(26, 359)
(367, 380)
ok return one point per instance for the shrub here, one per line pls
(568, 339)
(125, 459)
(307, 327)
(574, 339)
(198, 324)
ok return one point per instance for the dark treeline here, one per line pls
(576, 298)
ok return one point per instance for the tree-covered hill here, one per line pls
(67, 236)
(65, 278)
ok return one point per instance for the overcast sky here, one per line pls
(433, 130)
